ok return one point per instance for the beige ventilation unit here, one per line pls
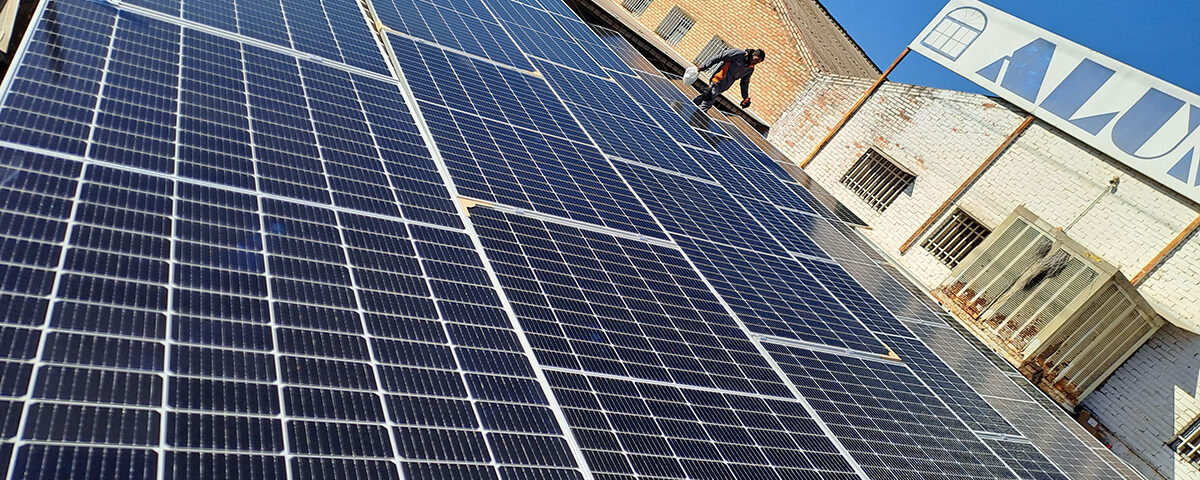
(1061, 314)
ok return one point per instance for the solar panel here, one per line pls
(985, 377)
(553, 37)
(1056, 443)
(775, 220)
(604, 109)
(856, 299)
(663, 431)
(527, 154)
(264, 240)
(464, 26)
(601, 303)
(619, 46)
(956, 393)
(697, 208)
(891, 423)
(332, 29)
(736, 169)
(773, 295)
(1026, 460)
(282, 126)
(898, 300)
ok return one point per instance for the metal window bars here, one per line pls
(675, 26)
(714, 48)
(1187, 443)
(636, 7)
(877, 179)
(960, 234)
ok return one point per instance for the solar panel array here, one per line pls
(414, 239)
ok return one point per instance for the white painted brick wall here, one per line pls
(943, 136)
(1151, 397)
(937, 134)
(1058, 178)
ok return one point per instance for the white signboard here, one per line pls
(1137, 119)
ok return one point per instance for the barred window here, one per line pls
(1187, 443)
(960, 234)
(877, 179)
(636, 7)
(714, 48)
(675, 26)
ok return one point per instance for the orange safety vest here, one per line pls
(717, 77)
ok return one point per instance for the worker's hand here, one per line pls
(746, 102)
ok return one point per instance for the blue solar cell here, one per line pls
(557, 7)
(825, 235)
(777, 222)
(901, 301)
(624, 51)
(674, 116)
(484, 89)
(185, 465)
(743, 139)
(54, 91)
(343, 468)
(734, 166)
(55, 461)
(773, 295)
(891, 424)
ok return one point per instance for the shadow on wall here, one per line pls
(1140, 402)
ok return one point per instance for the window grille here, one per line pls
(877, 179)
(956, 238)
(714, 48)
(636, 7)
(675, 26)
(1187, 444)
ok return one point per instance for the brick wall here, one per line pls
(743, 24)
(943, 136)
(1150, 398)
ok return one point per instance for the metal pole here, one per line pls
(845, 118)
(966, 183)
(1157, 260)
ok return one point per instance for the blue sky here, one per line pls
(1159, 37)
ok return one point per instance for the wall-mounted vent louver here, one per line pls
(1061, 314)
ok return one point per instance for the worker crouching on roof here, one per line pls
(735, 65)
